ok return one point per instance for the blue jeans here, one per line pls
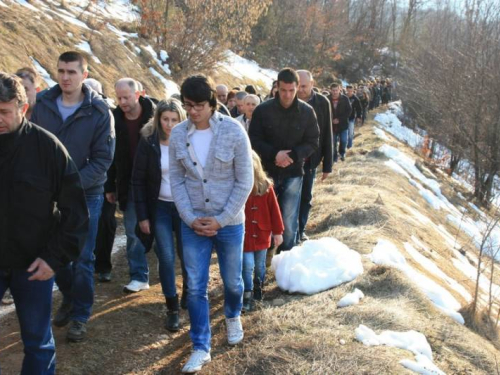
(136, 253)
(306, 197)
(167, 221)
(76, 280)
(254, 260)
(228, 243)
(342, 138)
(33, 300)
(350, 133)
(288, 192)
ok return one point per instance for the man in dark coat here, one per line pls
(324, 153)
(43, 221)
(341, 110)
(284, 132)
(82, 121)
(132, 113)
(356, 114)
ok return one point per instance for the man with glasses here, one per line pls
(43, 221)
(211, 176)
(132, 113)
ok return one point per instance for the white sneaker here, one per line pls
(198, 359)
(234, 330)
(135, 286)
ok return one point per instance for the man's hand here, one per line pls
(111, 197)
(278, 239)
(324, 176)
(335, 121)
(145, 227)
(282, 159)
(43, 270)
(206, 226)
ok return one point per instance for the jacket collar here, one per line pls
(293, 107)
(214, 122)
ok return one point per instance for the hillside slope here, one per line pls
(362, 202)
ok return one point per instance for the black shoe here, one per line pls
(247, 302)
(172, 321)
(184, 303)
(77, 331)
(342, 158)
(104, 277)
(257, 291)
(304, 237)
(62, 315)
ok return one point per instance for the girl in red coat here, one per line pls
(263, 217)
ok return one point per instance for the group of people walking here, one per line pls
(206, 171)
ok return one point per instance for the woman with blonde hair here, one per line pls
(157, 215)
(262, 218)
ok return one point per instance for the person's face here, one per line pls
(287, 93)
(275, 89)
(350, 92)
(222, 95)
(240, 104)
(335, 91)
(168, 120)
(30, 89)
(70, 76)
(250, 105)
(199, 113)
(128, 100)
(11, 116)
(231, 103)
(305, 87)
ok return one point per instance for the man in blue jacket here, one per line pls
(82, 121)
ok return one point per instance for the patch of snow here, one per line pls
(316, 265)
(431, 267)
(43, 73)
(122, 35)
(119, 9)
(85, 46)
(351, 298)
(381, 134)
(154, 55)
(387, 254)
(25, 4)
(243, 68)
(412, 341)
(119, 244)
(419, 216)
(70, 35)
(71, 19)
(163, 55)
(391, 124)
(170, 86)
(2, 4)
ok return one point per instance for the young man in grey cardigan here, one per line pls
(211, 176)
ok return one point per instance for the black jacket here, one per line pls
(324, 153)
(356, 110)
(274, 128)
(120, 173)
(234, 112)
(342, 113)
(43, 213)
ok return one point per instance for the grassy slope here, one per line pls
(362, 202)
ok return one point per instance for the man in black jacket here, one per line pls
(324, 153)
(341, 110)
(43, 221)
(284, 132)
(356, 114)
(132, 113)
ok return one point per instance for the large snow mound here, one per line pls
(316, 266)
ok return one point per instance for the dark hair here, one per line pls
(71, 56)
(199, 88)
(251, 89)
(12, 88)
(30, 73)
(334, 85)
(349, 87)
(271, 95)
(288, 75)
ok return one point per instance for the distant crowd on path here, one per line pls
(209, 169)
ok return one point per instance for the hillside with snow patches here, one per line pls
(85, 24)
(435, 250)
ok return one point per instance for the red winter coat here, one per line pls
(263, 217)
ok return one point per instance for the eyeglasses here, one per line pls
(197, 107)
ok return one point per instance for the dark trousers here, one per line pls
(306, 197)
(105, 238)
(33, 301)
